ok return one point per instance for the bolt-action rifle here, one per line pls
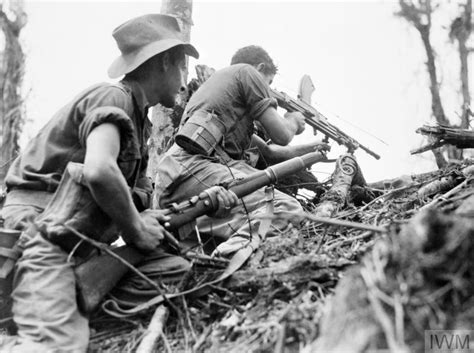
(96, 277)
(317, 120)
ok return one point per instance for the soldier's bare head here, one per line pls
(257, 57)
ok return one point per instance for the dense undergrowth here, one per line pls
(289, 297)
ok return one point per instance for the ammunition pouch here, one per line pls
(73, 206)
(9, 253)
(201, 133)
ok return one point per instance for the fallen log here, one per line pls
(442, 184)
(417, 280)
(449, 184)
(442, 135)
(295, 269)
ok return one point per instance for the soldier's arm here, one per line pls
(110, 190)
(281, 129)
(273, 153)
(260, 105)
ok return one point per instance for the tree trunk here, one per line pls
(166, 121)
(461, 29)
(414, 14)
(436, 105)
(11, 75)
(420, 17)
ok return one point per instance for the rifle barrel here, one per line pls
(188, 211)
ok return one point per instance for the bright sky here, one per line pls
(366, 64)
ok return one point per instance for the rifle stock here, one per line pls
(96, 277)
(319, 122)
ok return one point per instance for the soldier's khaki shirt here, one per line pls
(238, 95)
(41, 164)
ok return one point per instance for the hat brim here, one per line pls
(129, 62)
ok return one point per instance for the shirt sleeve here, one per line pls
(256, 92)
(108, 106)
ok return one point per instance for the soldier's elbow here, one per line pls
(97, 174)
(283, 138)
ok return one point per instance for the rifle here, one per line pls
(317, 120)
(96, 277)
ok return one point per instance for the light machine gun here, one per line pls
(316, 120)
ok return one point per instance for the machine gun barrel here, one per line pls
(319, 122)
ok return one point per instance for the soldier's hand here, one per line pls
(321, 147)
(151, 231)
(324, 158)
(298, 120)
(226, 199)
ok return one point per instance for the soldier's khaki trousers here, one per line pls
(44, 297)
(182, 175)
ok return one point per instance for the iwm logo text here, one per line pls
(437, 341)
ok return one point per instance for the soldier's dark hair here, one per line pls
(254, 55)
